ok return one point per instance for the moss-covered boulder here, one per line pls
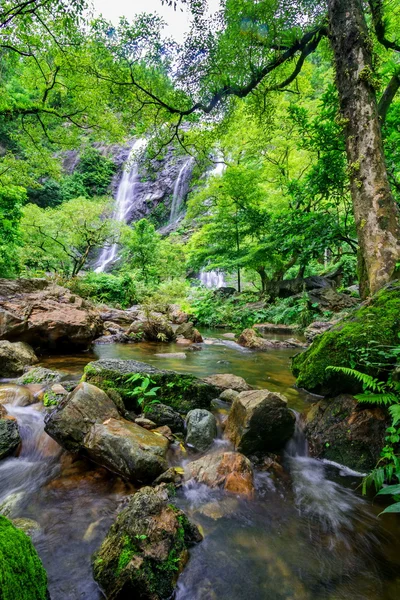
(342, 430)
(146, 548)
(22, 576)
(356, 342)
(180, 391)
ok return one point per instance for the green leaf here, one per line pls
(393, 508)
(390, 489)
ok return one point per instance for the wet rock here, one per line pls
(329, 299)
(146, 423)
(177, 355)
(155, 328)
(177, 315)
(171, 475)
(10, 393)
(117, 317)
(46, 316)
(22, 572)
(28, 526)
(189, 332)
(117, 338)
(263, 328)
(201, 429)
(9, 433)
(39, 375)
(127, 449)
(12, 503)
(229, 395)
(146, 549)
(165, 415)
(228, 470)
(342, 430)
(249, 339)
(316, 328)
(165, 431)
(259, 421)
(14, 357)
(227, 381)
(73, 418)
(180, 391)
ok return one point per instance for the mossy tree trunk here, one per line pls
(375, 210)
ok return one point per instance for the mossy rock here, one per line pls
(146, 548)
(180, 391)
(39, 375)
(362, 334)
(22, 576)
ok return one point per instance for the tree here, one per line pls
(63, 238)
(141, 246)
(260, 48)
(12, 199)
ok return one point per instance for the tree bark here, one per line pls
(375, 210)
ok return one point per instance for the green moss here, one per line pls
(22, 576)
(128, 551)
(357, 342)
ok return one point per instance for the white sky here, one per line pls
(178, 21)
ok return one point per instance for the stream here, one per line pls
(307, 535)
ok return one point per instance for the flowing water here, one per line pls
(307, 535)
(123, 203)
(180, 189)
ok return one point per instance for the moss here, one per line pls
(22, 576)
(356, 342)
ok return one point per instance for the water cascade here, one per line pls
(180, 189)
(123, 203)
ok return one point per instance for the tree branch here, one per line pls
(388, 95)
(376, 8)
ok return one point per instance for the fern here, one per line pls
(386, 398)
(368, 382)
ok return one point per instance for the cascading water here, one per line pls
(180, 189)
(123, 203)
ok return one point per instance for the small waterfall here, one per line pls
(123, 203)
(212, 279)
(180, 189)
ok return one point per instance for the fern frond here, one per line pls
(367, 381)
(395, 413)
(384, 398)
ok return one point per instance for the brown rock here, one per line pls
(14, 357)
(249, 339)
(227, 381)
(229, 470)
(146, 423)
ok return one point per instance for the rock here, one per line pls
(315, 328)
(229, 470)
(87, 421)
(201, 429)
(165, 431)
(9, 433)
(377, 319)
(112, 328)
(171, 475)
(329, 299)
(146, 423)
(178, 355)
(117, 317)
(28, 526)
(117, 338)
(189, 332)
(22, 573)
(183, 342)
(263, 328)
(15, 357)
(180, 391)
(229, 395)
(127, 449)
(229, 336)
(162, 415)
(10, 393)
(46, 316)
(249, 339)
(342, 430)
(39, 375)
(227, 381)
(155, 328)
(259, 421)
(75, 415)
(292, 287)
(146, 549)
(177, 315)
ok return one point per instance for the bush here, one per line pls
(116, 290)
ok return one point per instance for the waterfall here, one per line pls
(123, 203)
(180, 189)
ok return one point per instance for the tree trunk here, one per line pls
(264, 278)
(239, 285)
(375, 210)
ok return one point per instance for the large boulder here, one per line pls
(9, 434)
(180, 391)
(377, 320)
(22, 575)
(342, 430)
(263, 328)
(146, 548)
(329, 299)
(154, 328)
(227, 381)
(10, 393)
(40, 375)
(14, 357)
(177, 315)
(189, 332)
(164, 415)
(87, 421)
(259, 421)
(249, 338)
(230, 471)
(201, 429)
(46, 316)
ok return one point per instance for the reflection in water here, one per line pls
(309, 536)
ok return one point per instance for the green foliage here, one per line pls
(22, 576)
(50, 399)
(12, 199)
(144, 394)
(105, 288)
